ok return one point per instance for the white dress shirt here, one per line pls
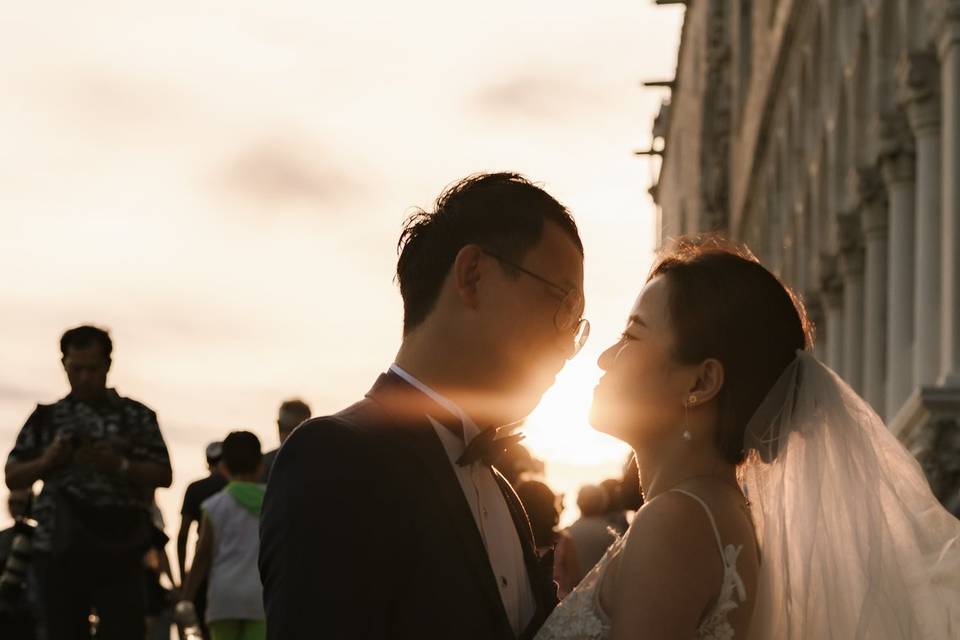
(490, 512)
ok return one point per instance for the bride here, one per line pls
(778, 505)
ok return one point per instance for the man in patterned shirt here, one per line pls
(100, 457)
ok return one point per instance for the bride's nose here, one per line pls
(608, 357)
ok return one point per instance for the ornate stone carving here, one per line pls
(831, 284)
(896, 157)
(943, 20)
(918, 76)
(867, 184)
(899, 167)
(937, 448)
(850, 233)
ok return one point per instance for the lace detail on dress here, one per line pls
(716, 626)
(580, 616)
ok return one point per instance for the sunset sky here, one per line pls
(222, 186)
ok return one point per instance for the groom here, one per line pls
(386, 520)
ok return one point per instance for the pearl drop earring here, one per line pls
(692, 400)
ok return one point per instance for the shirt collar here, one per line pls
(110, 399)
(470, 428)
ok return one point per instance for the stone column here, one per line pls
(919, 86)
(832, 287)
(801, 268)
(873, 224)
(948, 50)
(851, 268)
(897, 161)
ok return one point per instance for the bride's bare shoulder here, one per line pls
(672, 522)
(668, 573)
(671, 538)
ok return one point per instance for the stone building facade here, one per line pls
(826, 135)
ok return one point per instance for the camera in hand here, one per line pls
(14, 576)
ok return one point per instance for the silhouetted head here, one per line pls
(592, 500)
(708, 337)
(87, 353)
(241, 455)
(611, 486)
(214, 453)
(292, 413)
(540, 503)
(495, 273)
(631, 498)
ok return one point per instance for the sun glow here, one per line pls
(558, 430)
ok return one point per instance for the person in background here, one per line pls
(543, 510)
(197, 492)
(100, 457)
(616, 514)
(631, 498)
(229, 545)
(591, 534)
(17, 618)
(517, 462)
(158, 596)
(292, 413)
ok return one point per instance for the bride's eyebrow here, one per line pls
(635, 319)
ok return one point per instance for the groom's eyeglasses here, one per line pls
(568, 315)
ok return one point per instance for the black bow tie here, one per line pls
(487, 447)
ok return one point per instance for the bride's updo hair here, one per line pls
(724, 304)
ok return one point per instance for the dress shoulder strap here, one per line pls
(713, 523)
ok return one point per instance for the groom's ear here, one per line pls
(709, 380)
(466, 274)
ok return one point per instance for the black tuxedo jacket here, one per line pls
(366, 533)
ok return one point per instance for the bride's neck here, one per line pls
(661, 471)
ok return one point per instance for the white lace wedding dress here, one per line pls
(580, 616)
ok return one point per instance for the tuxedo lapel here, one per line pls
(541, 578)
(408, 408)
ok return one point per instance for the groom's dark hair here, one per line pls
(501, 212)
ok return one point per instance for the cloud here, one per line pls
(91, 102)
(281, 171)
(10, 393)
(538, 94)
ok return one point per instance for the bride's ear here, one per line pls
(708, 383)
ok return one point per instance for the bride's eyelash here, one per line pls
(626, 336)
